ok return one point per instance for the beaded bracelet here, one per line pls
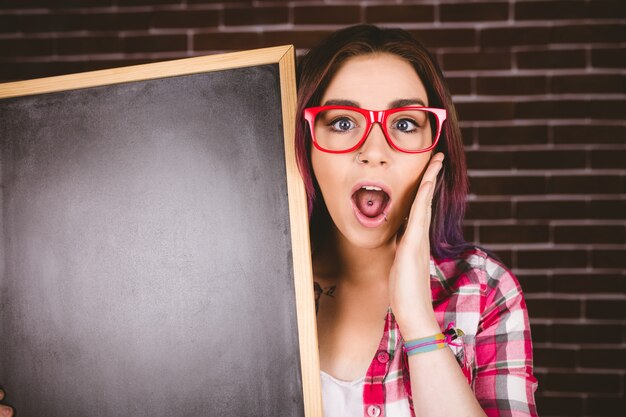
(436, 342)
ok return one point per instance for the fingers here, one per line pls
(419, 219)
(426, 190)
(5, 411)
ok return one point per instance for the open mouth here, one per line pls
(370, 204)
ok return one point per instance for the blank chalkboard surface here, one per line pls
(154, 249)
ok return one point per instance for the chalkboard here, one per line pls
(154, 250)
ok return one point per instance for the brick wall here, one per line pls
(541, 92)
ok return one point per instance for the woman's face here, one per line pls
(351, 188)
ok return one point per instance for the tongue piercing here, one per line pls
(370, 203)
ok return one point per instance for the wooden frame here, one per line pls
(284, 57)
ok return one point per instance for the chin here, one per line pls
(368, 238)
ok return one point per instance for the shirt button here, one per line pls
(373, 411)
(383, 357)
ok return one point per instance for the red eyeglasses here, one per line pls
(343, 129)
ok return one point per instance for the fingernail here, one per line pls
(7, 412)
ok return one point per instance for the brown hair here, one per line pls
(315, 71)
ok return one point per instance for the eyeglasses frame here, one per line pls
(371, 117)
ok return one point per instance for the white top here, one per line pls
(345, 399)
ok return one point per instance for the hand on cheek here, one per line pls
(409, 281)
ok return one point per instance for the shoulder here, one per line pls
(474, 267)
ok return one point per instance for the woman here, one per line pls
(386, 193)
(396, 284)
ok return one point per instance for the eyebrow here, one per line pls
(403, 102)
(407, 102)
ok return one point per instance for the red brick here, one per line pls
(514, 36)
(550, 109)
(155, 43)
(468, 233)
(459, 85)
(568, 58)
(441, 38)
(589, 33)
(52, 4)
(592, 83)
(553, 308)
(534, 283)
(540, 332)
(586, 184)
(555, 357)
(326, 15)
(595, 133)
(17, 71)
(30, 70)
(606, 406)
(586, 333)
(185, 19)
(559, 405)
(606, 309)
(32, 23)
(608, 58)
(518, 185)
(589, 283)
(473, 12)
(488, 210)
(399, 13)
(485, 111)
(25, 47)
(10, 24)
(607, 209)
(607, 109)
(512, 135)
(608, 258)
(476, 61)
(301, 39)
(610, 9)
(590, 234)
(511, 85)
(551, 209)
(467, 134)
(582, 382)
(514, 234)
(549, 10)
(107, 21)
(606, 159)
(226, 41)
(256, 16)
(551, 258)
(89, 45)
(230, 2)
(46, 22)
(146, 2)
(550, 159)
(489, 160)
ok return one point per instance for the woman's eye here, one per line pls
(405, 125)
(342, 125)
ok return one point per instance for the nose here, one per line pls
(375, 150)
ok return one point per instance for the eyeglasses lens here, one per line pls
(342, 129)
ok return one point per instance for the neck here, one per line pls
(338, 259)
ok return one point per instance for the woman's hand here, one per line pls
(409, 280)
(5, 411)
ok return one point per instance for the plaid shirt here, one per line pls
(482, 298)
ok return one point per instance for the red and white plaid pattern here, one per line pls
(484, 300)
